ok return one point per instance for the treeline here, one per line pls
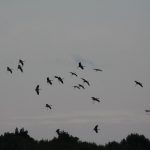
(20, 140)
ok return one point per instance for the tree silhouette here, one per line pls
(20, 140)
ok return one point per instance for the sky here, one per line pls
(52, 36)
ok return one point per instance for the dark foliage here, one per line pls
(20, 140)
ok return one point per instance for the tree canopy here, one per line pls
(20, 140)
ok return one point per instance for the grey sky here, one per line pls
(51, 36)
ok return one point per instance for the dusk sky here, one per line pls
(52, 36)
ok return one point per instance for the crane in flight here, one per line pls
(20, 68)
(58, 131)
(76, 87)
(138, 83)
(37, 89)
(80, 85)
(147, 110)
(48, 106)
(80, 66)
(73, 74)
(97, 69)
(9, 69)
(49, 81)
(95, 99)
(96, 128)
(59, 79)
(85, 81)
(21, 62)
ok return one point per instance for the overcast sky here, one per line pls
(52, 36)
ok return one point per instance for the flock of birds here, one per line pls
(20, 66)
(78, 86)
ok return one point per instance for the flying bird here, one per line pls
(21, 62)
(48, 106)
(59, 79)
(37, 89)
(9, 70)
(58, 131)
(73, 74)
(96, 128)
(80, 85)
(95, 99)
(80, 66)
(98, 70)
(147, 110)
(76, 87)
(20, 67)
(138, 83)
(85, 81)
(49, 81)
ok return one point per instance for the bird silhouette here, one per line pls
(80, 85)
(9, 69)
(49, 81)
(58, 131)
(59, 79)
(37, 89)
(73, 73)
(48, 106)
(96, 128)
(76, 87)
(97, 70)
(20, 67)
(80, 66)
(85, 81)
(138, 83)
(147, 110)
(95, 99)
(21, 62)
